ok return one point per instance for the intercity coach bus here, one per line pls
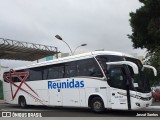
(99, 80)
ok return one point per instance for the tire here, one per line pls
(22, 102)
(97, 105)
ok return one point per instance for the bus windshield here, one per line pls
(139, 81)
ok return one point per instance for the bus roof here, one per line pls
(75, 57)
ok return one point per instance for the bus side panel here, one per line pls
(96, 87)
(38, 94)
(44, 96)
(55, 97)
(10, 90)
(31, 100)
(41, 99)
(71, 97)
(7, 92)
(82, 96)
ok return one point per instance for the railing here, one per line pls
(4, 41)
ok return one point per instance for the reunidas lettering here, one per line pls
(67, 84)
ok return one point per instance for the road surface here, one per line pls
(77, 112)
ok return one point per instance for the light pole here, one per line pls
(59, 38)
(78, 47)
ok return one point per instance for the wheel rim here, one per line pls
(97, 106)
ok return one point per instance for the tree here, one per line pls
(154, 60)
(145, 23)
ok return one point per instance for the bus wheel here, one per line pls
(22, 102)
(97, 104)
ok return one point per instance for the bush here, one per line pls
(1, 90)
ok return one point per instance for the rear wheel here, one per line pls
(97, 105)
(22, 102)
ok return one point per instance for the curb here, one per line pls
(154, 107)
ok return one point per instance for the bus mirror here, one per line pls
(151, 67)
(133, 65)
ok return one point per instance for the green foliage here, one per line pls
(154, 60)
(145, 23)
(1, 90)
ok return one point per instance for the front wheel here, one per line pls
(97, 105)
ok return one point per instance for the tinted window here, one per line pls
(102, 59)
(35, 73)
(15, 78)
(61, 71)
(116, 77)
(141, 79)
(53, 72)
(136, 61)
(70, 69)
(88, 67)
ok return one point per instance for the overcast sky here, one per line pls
(101, 24)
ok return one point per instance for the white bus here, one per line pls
(99, 80)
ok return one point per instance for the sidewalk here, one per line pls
(156, 104)
(2, 101)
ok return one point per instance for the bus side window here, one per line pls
(70, 69)
(53, 71)
(88, 67)
(61, 71)
(16, 79)
(102, 61)
(35, 73)
(82, 68)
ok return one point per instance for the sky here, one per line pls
(101, 24)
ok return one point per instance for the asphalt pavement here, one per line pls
(78, 112)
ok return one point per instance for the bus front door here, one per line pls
(117, 81)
